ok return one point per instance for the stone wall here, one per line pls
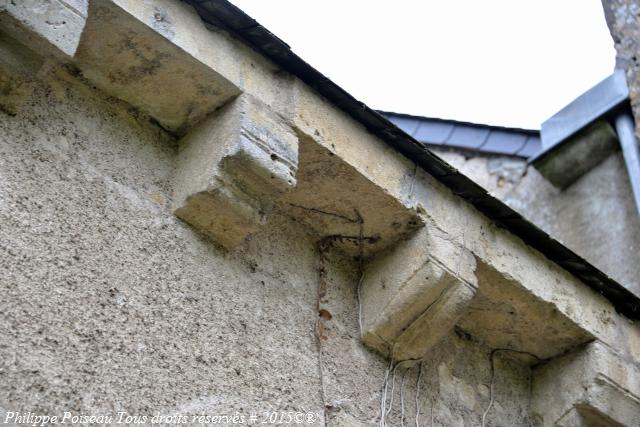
(110, 303)
(188, 229)
(623, 19)
(595, 216)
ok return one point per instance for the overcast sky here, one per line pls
(502, 62)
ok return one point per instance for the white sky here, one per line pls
(502, 62)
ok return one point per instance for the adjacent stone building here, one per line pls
(196, 227)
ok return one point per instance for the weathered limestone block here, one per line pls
(578, 155)
(584, 417)
(51, 27)
(179, 23)
(414, 294)
(30, 31)
(232, 167)
(538, 305)
(349, 140)
(591, 387)
(18, 67)
(335, 195)
(334, 199)
(527, 273)
(140, 64)
(623, 19)
(505, 314)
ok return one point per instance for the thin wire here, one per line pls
(393, 385)
(486, 411)
(360, 265)
(393, 376)
(404, 376)
(321, 277)
(359, 291)
(491, 360)
(383, 397)
(418, 394)
(433, 404)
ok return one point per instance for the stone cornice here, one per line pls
(254, 139)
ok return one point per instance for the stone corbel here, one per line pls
(126, 52)
(231, 169)
(414, 294)
(52, 27)
(30, 32)
(590, 387)
(134, 58)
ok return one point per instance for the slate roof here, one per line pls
(440, 133)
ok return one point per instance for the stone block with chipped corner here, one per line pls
(53, 27)
(578, 155)
(593, 386)
(141, 65)
(413, 295)
(232, 167)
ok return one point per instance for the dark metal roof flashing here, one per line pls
(582, 134)
(223, 14)
(600, 101)
(440, 133)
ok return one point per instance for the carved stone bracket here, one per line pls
(51, 27)
(414, 294)
(232, 167)
(593, 386)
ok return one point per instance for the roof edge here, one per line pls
(463, 123)
(226, 15)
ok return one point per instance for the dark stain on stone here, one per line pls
(148, 63)
(324, 314)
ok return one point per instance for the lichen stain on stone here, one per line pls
(149, 62)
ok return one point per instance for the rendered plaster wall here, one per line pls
(110, 303)
(595, 216)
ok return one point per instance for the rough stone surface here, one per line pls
(595, 381)
(111, 303)
(325, 202)
(18, 67)
(595, 216)
(504, 314)
(453, 386)
(623, 19)
(535, 277)
(132, 61)
(53, 27)
(232, 168)
(416, 293)
(173, 27)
